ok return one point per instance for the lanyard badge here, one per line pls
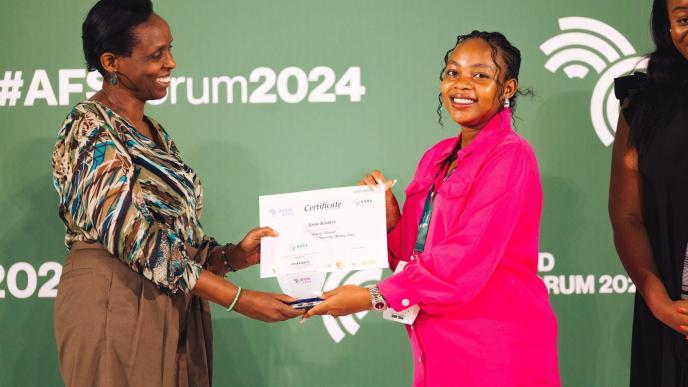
(408, 316)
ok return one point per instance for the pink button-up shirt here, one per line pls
(485, 317)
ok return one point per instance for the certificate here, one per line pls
(323, 230)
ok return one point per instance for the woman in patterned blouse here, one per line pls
(131, 308)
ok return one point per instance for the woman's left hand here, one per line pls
(342, 301)
(247, 252)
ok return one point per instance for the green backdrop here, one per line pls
(242, 148)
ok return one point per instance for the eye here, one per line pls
(683, 20)
(451, 73)
(480, 76)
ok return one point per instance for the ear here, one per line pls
(109, 62)
(510, 88)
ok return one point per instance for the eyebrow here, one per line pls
(162, 45)
(481, 65)
(679, 8)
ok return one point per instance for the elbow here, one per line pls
(622, 221)
(173, 278)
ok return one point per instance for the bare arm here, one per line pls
(630, 236)
(262, 306)
(257, 305)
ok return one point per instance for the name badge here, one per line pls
(406, 316)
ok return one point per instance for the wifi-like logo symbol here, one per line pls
(361, 278)
(587, 44)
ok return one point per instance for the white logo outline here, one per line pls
(361, 277)
(606, 51)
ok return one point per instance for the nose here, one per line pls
(170, 62)
(462, 83)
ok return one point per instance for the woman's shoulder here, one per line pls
(514, 146)
(86, 119)
(630, 85)
(87, 110)
(629, 90)
(87, 107)
(441, 145)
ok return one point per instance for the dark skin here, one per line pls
(143, 76)
(626, 211)
(678, 24)
(473, 91)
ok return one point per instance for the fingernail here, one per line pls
(276, 232)
(393, 183)
(683, 327)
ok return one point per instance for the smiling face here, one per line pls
(677, 10)
(146, 72)
(473, 90)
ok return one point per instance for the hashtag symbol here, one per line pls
(10, 88)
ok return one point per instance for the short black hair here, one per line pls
(108, 28)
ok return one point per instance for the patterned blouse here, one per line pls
(137, 198)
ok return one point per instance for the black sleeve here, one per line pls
(629, 87)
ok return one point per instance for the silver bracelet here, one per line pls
(236, 298)
(378, 303)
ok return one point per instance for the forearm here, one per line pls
(253, 304)
(214, 288)
(635, 253)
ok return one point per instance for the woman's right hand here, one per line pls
(674, 314)
(268, 307)
(391, 205)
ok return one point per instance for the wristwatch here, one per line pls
(379, 303)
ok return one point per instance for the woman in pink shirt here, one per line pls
(467, 238)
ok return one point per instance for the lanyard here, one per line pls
(424, 224)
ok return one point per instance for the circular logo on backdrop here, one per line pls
(588, 44)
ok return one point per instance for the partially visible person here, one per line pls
(468, 237)
(132, 306)
(648, 200)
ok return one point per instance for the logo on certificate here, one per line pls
(281, 212)
(363, 202)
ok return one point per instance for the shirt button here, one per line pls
(420, 359)
(405, 302)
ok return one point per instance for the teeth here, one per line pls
(463, 101)
(164, 79)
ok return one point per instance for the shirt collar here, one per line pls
(496, 125)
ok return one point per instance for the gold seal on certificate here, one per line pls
(323, 231)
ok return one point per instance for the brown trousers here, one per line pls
(115, 328)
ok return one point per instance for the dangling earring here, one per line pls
(506, 103)
(114, 78)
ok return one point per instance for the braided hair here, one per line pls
(500, 46)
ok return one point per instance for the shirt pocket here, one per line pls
(454, 189)
(417, 187)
